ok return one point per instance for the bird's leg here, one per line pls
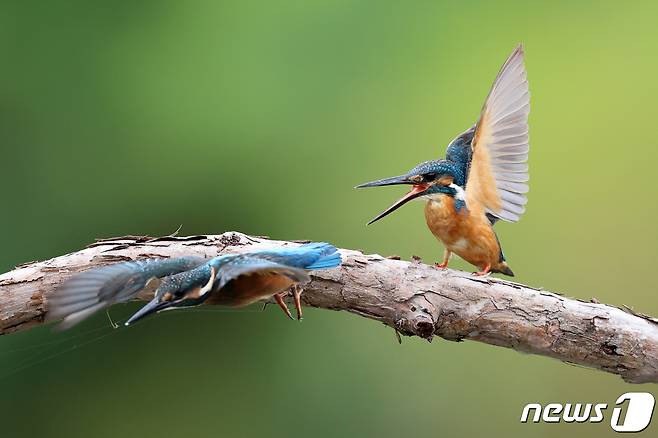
(484, 271)
(279, 300)
(297, 295)
(446, 258)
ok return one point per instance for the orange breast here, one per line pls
(249, 289)
(467, 233)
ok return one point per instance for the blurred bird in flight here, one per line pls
(483, 178)
(232, 280)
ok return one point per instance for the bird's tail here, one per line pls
(316, 255)
(327, 256)
(503, 268)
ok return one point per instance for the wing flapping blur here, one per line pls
(90, 291)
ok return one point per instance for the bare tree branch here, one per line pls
(411, 297)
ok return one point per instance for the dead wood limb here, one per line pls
(411, 297)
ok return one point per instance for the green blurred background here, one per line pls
(133, 117)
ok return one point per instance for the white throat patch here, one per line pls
(461, 194)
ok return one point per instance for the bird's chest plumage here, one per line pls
(249, 289)
(466, 232)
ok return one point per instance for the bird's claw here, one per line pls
(297, 296)
(279, 300)
(441, 265)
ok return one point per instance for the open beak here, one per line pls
(416, 191)
(153, 306)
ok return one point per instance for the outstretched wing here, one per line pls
(244, 265)
(498, 173)
(90, 291)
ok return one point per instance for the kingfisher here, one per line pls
(483, 178)
(233, 280)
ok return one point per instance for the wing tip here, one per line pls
(516, 57)
(520, 48)
(518, 52)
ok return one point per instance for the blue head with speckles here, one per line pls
(438, 172)
(185, 289)
(428, 178)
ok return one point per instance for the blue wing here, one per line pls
(459, 152)
(254, 263)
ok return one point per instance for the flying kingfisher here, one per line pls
(483, 178)
(232, 280)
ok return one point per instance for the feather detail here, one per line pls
(498, 174)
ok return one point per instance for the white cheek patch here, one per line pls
(461, 194)
(208, 286)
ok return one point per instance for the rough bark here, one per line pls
(413, 298)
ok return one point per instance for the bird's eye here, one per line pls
(428, 177)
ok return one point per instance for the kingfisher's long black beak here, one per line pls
(152, 306)
(396, 180)
(416, 191)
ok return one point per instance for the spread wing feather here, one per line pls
(498, 174)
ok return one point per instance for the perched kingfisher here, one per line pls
(483, 178)
(232, 280)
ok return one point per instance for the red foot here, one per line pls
(279, 300)
(441, 265)
(297, 294)
(485, 271)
